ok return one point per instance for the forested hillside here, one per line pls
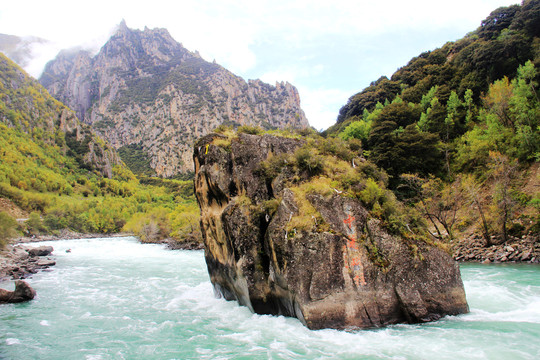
(458, 129)
(65, 177)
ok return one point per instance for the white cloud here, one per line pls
(292, 73)
(322, 105)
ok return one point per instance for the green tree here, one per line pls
(8, 226)
(34, 224)
(502, 170)
(525, 109)
(358, 130)
(468, 102)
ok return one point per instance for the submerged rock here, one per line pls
(343, 271)
(23, 292)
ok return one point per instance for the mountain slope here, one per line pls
(59, 174)
(28, 108)
(143, 88)
(458, 132)
(506, 39)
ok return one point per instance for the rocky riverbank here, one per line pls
(19, 261)
(515, 250)
(65, 234)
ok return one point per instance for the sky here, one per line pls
(329, 50)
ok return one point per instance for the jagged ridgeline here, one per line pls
(146, 90)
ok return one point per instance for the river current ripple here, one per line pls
(119, 299)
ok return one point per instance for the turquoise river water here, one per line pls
(119, 299)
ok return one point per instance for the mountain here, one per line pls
(145, 91)
(59, 174)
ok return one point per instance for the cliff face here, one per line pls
(343, 270)
(145, 88)
(28, 107)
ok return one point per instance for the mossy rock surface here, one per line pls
(337, 268)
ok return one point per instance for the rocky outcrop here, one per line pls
(23, 292)
(40, 251)
(144, 88)
(342, 271)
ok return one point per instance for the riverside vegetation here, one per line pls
(458, 132)
(62, 176)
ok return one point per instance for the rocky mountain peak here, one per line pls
(122, 27)
(144, 88)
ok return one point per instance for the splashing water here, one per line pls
(119, 299)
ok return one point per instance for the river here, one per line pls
(119, 299)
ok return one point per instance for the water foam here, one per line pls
(119, 299)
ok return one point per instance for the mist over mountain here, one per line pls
(20, 49)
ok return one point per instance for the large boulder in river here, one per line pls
(23, 292)
(309, 231)
(40, 251)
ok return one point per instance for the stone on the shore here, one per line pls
(19, 253)
(45, 263)
(23, 292)
(40, 251)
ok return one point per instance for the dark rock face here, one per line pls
(352, 274)
(23, 292)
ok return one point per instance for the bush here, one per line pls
(307, 160)
(252, 130)
(273, 166)
(336, 147)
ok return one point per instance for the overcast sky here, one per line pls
(328, 49)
